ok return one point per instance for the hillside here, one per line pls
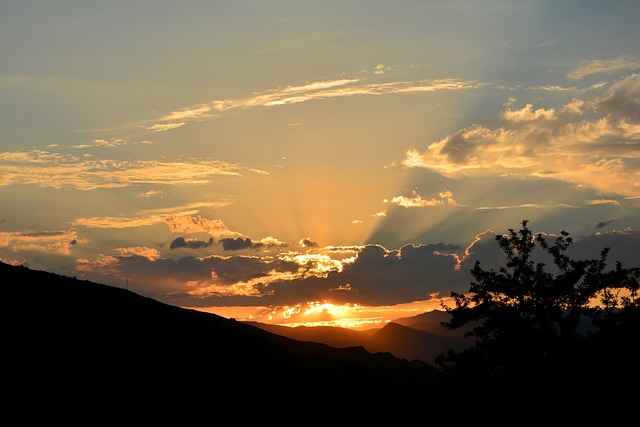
(80, 350)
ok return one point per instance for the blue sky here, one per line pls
(267, 159)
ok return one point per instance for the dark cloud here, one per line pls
(378, 276)
(460, 146)
(239, 243)
(412, 273)
(181, 242)
(165, 276)
(306, 242)
(622, 101)
(624, 247)
(603, 224)
(485, 250)
(231, 244)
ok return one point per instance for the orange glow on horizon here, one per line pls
(352, 316)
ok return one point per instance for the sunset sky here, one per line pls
(343, 162)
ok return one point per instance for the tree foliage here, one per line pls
(540, 317)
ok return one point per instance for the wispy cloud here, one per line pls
(604, 202)
(599, 66)
(309, 92)
(524, 205)
(162, 127)
(57, 170)
(179, 220)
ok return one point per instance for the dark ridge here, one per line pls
(412, 343)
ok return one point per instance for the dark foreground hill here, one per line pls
(79, 352)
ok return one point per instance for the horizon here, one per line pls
(299, 163)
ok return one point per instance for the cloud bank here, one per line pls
(594, 144)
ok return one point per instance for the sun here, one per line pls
(324, 309)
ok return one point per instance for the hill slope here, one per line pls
(88, 352)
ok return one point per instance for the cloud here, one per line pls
(178, 219)
(149, 253)
(376, 276)
(306, 242)
(603, 224)
(416, 201)
(239, 243)
(231, 244)
(527, 114)
(603, 202)
(624, 245)
(575, 106)
(239, 278)
(163, 127)
(379, 69)
(524, 205)
(198, 224)
(622, 102)
(113, 143)
(58, 242)
(368, 275)
(601, 152)
(553, 88)
(196, 112)
(181, 242)
(286, 95)
(599, 66)
(151, 193)
(56, 170)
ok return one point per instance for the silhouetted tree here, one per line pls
(527, 320)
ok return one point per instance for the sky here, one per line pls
(304, 162)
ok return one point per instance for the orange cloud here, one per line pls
(149, 253)
(197, 224)
(176, 217)
(47, 241)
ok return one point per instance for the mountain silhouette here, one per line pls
(420, 337)
(81, 352)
